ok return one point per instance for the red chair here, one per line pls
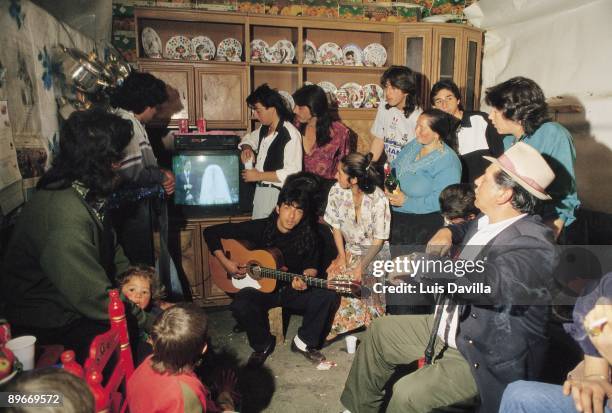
(108, 398)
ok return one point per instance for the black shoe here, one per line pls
(258, 358)
(312, 355)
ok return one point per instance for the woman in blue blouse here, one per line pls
(424, 167)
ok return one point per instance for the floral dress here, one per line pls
(374, 223)
(323, 161)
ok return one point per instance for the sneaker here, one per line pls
(312, 355)
(258, 358)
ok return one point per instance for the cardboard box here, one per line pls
(284, 7)
(406, 12)
(378, 12)
(320, 8)
(217, 5)
(176, 4)
(123, 10)
(252, 6)
(351, 11)
(126, 45)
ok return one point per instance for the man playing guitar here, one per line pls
(290, 229)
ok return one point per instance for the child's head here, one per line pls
(457, 203)
(140, 284)
(179, 338)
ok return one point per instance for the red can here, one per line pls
(201, 125)
(183, 125)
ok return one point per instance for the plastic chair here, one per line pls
(108, 398)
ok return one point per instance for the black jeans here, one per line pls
(410, 233)
(250, 308)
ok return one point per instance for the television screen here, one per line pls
(207, 178)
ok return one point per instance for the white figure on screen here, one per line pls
(215, 189)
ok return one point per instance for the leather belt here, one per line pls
(262, 185)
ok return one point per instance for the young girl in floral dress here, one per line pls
(358, 212)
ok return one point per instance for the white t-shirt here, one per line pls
(394, 128)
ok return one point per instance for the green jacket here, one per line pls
(52, 273)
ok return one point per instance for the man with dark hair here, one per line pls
(520, 112)
(63, 258)
(137, 100)
(290, 229)
(278, 145)
(395, 122)
(484, 337)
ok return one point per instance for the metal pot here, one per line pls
(83, 72)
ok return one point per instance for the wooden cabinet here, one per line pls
(444, 51)
(192, 257)
(220, 95)
(219, 88)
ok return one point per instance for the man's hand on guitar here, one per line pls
(298, 284)
(235, 269)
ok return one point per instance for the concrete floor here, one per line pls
(288, 382)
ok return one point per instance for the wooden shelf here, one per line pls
(342, 68)
(148, 61)
(275, 65)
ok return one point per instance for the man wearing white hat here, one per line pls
(486, 336)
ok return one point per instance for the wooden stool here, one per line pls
(275, 315)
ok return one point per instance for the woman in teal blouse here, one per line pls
(424, 167)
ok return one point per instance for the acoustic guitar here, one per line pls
(263, 271)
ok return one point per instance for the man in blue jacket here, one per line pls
(492, 328)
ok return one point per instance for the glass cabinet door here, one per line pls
(447, 52)
(415, 46)
(472, 56)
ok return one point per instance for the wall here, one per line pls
(27, 75)
(562, 45)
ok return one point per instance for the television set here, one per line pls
(209, 183)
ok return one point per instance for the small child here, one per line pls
(457, 204)
(165, 381)
(141, 286)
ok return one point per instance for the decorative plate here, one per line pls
(352, 55)
(330, 54)
(374, 54)
(328, 87)
(342, 98)
(203, 48)
(151, 43)
(179, 47)
(355, 94)
(283, 52)
(288, 99)
(230, 50)
(373, 95)
(259, 50)
(310, 53)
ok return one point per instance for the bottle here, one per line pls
(391, 182)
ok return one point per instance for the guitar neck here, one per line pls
(287, 276)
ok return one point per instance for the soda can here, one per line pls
(201, 125)
(183, 125)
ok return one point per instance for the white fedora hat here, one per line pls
(527, 168)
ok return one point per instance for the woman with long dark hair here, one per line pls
(396, 118)
(476, 136)
(358, 212)
(63, 258)
(278, 145)
(325, 140)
